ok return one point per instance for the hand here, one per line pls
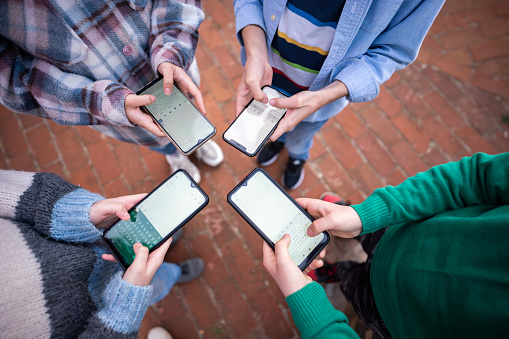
(136, 116)
(341, 221)
(281, 267)
(104, 212)
(303, 104)
(316, 263)
(257, 70)
(145, 265)
(172, 73)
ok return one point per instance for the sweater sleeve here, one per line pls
(122, 310)
(174, 32)
(479, 180)
(51, 205)
(33, 86)
(314, 315)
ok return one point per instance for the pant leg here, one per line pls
(164, 279)
(299, 140)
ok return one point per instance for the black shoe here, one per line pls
(294, 173)
(191, 269)
(270, 152)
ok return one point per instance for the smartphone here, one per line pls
(255, 124)
(178, 117)
(273, 213)
(157, 217)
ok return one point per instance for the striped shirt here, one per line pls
(302, 42)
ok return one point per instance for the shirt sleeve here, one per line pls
(479, 180)
(393, 49)
(174, 32)
(315, 317)
(33, 86)
(247, 12)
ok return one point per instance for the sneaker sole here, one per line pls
(301, 179)
(270, 161)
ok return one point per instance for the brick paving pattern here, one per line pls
(450, 103)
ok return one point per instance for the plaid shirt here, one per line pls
(75, 61)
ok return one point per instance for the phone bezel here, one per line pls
(112, 247)
(241, 147)
(313, 254)
(145, 110)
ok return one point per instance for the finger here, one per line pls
(187, 85)
(109, 257)
(314, 265)
(322, 254)
(282, 255)
(315, 207)
(256, 90)
(133, 100)
(140, 260)
(269, 258)
(323, 224)
(157, 256)
(146, 121)
(130, 200)
(168, 74)
(291, 102)
(243, 97)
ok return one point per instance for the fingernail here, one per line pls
(167, 91)
(272, 102)
(310, 232)
(286, 236)
(152, 98)
(126, 215)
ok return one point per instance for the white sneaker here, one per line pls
(178, 161)
(210, 153)
(158, 332)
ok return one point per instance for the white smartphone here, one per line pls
(157, 217)
(255, 124)
(178, 117)
(273, 213)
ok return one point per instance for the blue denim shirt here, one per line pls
(374, 38)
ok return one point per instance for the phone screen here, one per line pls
(255, 123)
(183, 123)
(275, 214)
(159, 214)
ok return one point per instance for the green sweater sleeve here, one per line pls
(479, 180)
(314, 315)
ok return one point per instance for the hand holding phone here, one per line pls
(156, 218)
(177, 117)
(273, 213)
(255, 124)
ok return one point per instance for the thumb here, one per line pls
(281, 249)
(323, 224)
(140, 261)
(133, 100)
(282, 102)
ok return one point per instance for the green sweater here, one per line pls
(442, 268)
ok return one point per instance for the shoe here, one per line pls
(158, 332)
(178, 161)
(210, 153)
(334, 198)
(191, 269)
(270, 152)
(294, 173)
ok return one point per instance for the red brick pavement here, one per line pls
(448, 104)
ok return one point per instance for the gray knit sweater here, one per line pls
(53, 282)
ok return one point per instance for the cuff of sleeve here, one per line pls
(249, 14)
(70, 220)
(359, 80)
(374, 213)
(113, 104)
(167, 54)
(309, 306)
(124, 305)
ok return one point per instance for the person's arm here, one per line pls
(173, 41)
(478, 180)
(312, 312)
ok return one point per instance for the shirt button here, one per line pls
(273, 17)
(127, 50)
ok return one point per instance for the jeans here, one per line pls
(299, 140)
(169, 148)
(164, 279)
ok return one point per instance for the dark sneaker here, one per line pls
(191, 269)
(270, 152)
(294, 173)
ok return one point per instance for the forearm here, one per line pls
(174, 32)
(50, 204)
(254, 42)
(479, 180)
(334, 91)
(314, 315)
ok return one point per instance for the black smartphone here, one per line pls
(178, 117)
(255, 124)
(273, 213)
(157, 217)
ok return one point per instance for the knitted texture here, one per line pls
(52, 282)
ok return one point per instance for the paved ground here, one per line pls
(450, 103)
